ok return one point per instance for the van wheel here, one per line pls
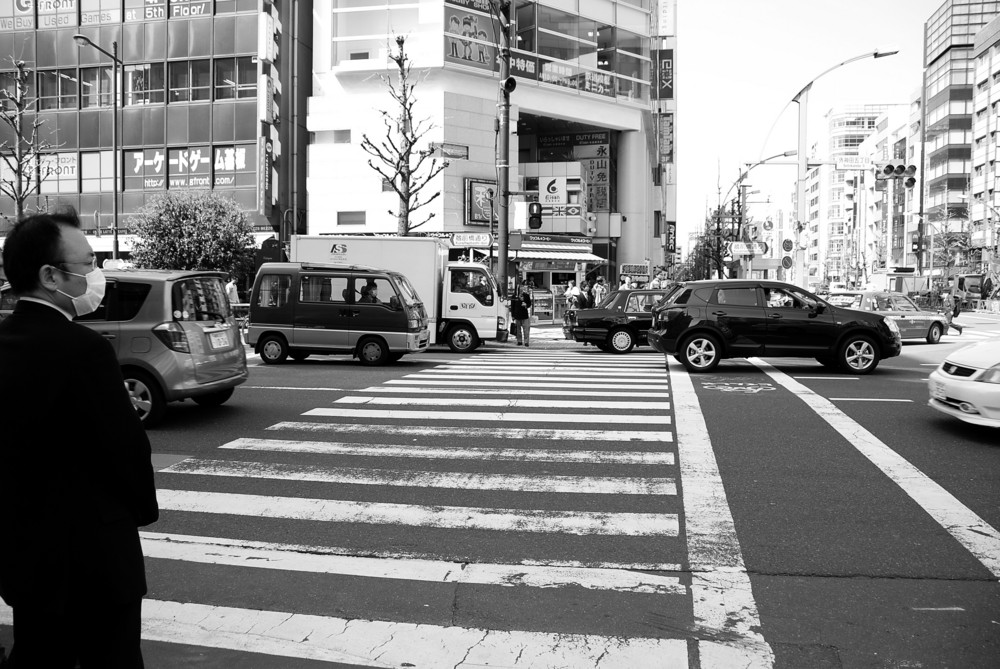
(215, 399)
(146, 396)
(934, 334)
(858, 355)
(700, 353)
(373, 351)
(273, 349)
(462, 339)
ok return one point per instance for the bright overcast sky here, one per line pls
(738, 64)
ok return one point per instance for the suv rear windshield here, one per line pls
(200, 298)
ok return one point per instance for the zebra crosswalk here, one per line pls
(511, 509)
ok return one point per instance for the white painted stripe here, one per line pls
(291, 388)
(936, 608)
(978, 536)
(316, 560)
(453, 453)
(464, 391)
(527, 382)
(720, 586)
(829, 378)
(413, 515)
(551, 366)
(556, 371)
(570, 364)
(479, 432)
(410, 555)
(391, 644)
(511, 403)
(512, 377)
(591, 485)
(865, 399)
(492, 416)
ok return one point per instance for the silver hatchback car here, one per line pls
(174, 333)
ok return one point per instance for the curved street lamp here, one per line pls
(83, 40)
(802, 98)
(745, 173)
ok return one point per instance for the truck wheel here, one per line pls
(373, 351)
(273, 349)
(858, 355)
(146, 396)
(462, 339)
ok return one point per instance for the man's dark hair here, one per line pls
(34, 241)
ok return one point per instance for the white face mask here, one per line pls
(91, 298)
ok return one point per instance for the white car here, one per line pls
(967, 384)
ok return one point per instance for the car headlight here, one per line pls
(891, 324)
(992, 375)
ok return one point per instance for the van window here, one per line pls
(200, 298)
(324, 288)
(374, 290)
(274, 290)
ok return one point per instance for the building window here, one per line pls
(190, 81)
(95, 87)
(350, 218)
(235, 78)
(57, 89)
(96, 172)
(143, 84)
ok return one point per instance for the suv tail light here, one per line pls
(173, 337)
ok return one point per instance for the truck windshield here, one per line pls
(410, 297)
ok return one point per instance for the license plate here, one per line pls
(218, 340)
(937, 390)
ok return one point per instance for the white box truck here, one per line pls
(461, 299)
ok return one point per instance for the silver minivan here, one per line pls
(300, 309)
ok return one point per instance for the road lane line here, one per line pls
(415, 515)
(493, 416)
(290, 388)
(978, 536)
(866, 399)
(529, 383)
(487, 402)
(829, 378)
(505, 370)
(375, 643)
(464, 391)
(453, 452)
(322, 560)
(722, 596)
(589, 485)
(479, 432)
(497, 376)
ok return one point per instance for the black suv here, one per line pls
(702, 322)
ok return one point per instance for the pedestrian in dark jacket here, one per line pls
(520, 312)
(76, 480)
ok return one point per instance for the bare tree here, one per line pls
(23, 154)
(396, 157)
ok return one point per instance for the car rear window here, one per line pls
(849, 300)
(200, 298)
(742, 297)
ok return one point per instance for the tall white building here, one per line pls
(984, 212)
(583, 128)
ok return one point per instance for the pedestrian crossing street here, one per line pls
(503, 509)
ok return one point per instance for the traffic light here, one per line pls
(534, 215)
(897, 169)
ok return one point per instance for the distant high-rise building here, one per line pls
(984, 213)
(948, 90)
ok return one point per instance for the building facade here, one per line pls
(209, 97)
(583, 140)
(948, 91)
(984, 214)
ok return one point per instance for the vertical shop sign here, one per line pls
(264, 149)
(664, 74)
(479, 201)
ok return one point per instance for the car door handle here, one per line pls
(109, 335)
(774, 315)
(718, 313)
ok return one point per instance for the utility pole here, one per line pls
(507, 84)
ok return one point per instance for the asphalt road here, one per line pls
(563, 507)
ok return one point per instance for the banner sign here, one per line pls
(664, 74)
(479, 201)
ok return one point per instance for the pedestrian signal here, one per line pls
(534, 215)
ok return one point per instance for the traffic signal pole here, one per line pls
(507, 85)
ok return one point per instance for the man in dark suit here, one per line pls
(76, 480)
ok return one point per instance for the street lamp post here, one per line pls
(83, 40)
(802, 98)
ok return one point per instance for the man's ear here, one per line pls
(47, 277)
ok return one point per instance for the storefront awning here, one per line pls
(557, 255)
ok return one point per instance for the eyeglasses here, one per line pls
(92, 262)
